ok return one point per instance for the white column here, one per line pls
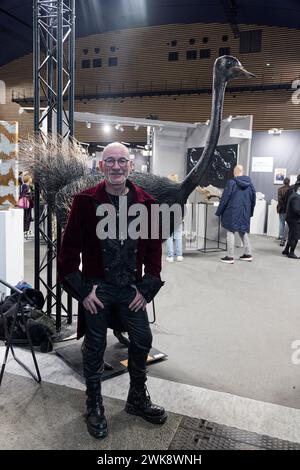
(11, 247)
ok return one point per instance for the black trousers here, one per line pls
(116, 301)
(27, 219)
(292, 239)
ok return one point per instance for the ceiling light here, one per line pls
(207, 123)
(275, 131)
(106, 128)
(117, 126)
(229, 119)
(136, 128)
(88, 125)
(121, 129)
(21, 110)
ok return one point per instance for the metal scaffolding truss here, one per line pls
(54, 68)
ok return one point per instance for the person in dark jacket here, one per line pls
(235, 209)
(293, 220)
(111, 284)
(280, 209)
(288, 193)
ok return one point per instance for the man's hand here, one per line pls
(138, 302)
(91, 302)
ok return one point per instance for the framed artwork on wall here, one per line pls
(221, 167)
(279, 175)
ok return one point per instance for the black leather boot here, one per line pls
(95, 419)
(139, 403)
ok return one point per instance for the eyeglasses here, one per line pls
(110, 162)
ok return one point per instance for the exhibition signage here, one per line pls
(241, 133)
(262, 164)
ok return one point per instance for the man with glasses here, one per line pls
(111, 285)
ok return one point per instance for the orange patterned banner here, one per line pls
(5, 179)
(10, 136)
(10, 156)
(8, 163)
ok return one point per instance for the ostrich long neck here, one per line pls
(193, 179)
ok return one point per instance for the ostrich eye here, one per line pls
(231, 63)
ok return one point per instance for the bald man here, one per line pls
(111, 288)
(235, 209)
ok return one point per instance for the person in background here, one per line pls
(288, 193)
(20, 181)
(27, 191)
(235, 209)
(293, 220)
(280, 209)
(176, 236)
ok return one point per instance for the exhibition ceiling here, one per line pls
(98, 16)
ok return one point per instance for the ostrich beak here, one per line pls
(242, 72)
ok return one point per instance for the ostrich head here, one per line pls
(228, 67)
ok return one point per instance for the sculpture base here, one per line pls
(116, 355)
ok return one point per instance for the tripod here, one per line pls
(12, 313)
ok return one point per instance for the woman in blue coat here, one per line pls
(235, 209)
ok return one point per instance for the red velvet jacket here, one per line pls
(80, 238)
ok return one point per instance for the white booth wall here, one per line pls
(170, 145)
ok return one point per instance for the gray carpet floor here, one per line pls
(229, 328)
(50, 416)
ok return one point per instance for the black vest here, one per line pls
(119, 256)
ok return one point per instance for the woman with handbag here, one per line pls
(26, 202)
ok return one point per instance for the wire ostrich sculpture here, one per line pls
(60, 168)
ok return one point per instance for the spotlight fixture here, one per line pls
(126, 143)
(160, 129)
(21, 110)
(121, 129)
(268, 64)
(207, 123)
(88, 125)
(136, 128)
(229, 119)
(117, 126)
(106, 128)
(275, 131)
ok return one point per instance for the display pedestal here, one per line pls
(202, 228)
(257, 224)
(273, 221)
(11, 247)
